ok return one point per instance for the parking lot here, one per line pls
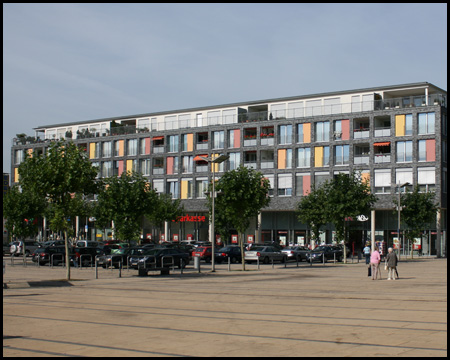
(323, 310)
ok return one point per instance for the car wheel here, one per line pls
(233, 260)
(266, 260)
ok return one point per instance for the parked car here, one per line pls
(180, 258)
(232, 252)
(16, 247)
(327, 251)
(265, 254)
(292, 252)
(133, 261)
(203, 252)
(85, 254)
(45, 255)
(86, 243)
(52, 243)
(116, 257)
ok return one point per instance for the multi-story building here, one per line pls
(392, 134)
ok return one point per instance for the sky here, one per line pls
(74, 62)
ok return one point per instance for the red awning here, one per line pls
(158, 138)
(387, 143)
(198, 158)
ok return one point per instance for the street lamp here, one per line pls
(212, 161)
(398, 211)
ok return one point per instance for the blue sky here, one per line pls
(74, 62)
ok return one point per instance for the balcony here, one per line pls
(158, 149)
(362, 133)
(361, 160)
(385, 131)
(267, 164)
(382, 158)
(250, 165)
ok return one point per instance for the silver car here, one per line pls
(292, 252)
(265, 254)
(16, 247)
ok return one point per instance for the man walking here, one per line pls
(391, 262)
(366, 252)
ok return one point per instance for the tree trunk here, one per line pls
(345, 247)
(66, 244)
(241, 236)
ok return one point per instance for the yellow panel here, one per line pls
(129, 165)
(318, 156)
(121, 144)
(190, 142)
(30, 153)
(365, 177)
(216, 166)
(282, 159)
(307, 132)
(399, 125)
(16, 175)
(184, 189)
(91, 150)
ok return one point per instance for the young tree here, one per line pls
(346, 196)
(125, 200)
(419, 209)
(165, 209)
(243, 193)
(311, 210)
(21, 210)
(58, 176)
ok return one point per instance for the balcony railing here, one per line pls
(361, 159)
(382, 158)
(382, 132)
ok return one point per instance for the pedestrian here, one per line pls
(366, 252)
(391, 262)
(375, 259)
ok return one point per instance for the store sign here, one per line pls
(362, 218)
(188, 218)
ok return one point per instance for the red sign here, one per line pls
(250, 239)
(190, 237)
(149, 236)
(234, 239)
(175, 237)
(188, 218)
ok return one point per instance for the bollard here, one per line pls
(323, 258)
(334, 255)
(181, 266)
(197, 263)
(120, 268)
(229, 263)
(96, 268)
(272, 263)
(257, 261)
(296, 257)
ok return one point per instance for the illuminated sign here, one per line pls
(188, 218)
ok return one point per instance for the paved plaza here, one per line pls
(323, 310)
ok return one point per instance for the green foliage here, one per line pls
(165, 209)
(311, 210)
(18, 206)
(242, 193)
(418, 210)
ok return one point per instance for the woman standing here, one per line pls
(375, 259)
(391, 262)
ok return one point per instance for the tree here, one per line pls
(59, 176)
(243, 193)
(21, 210)
(346, 196)
(419, 209)
(125, 200)
(310, 210)
(166, 209)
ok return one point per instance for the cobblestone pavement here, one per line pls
(323, 310)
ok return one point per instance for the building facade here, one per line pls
(392, 134)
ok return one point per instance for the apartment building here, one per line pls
(392, 134)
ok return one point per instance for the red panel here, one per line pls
(170, 165)
(237, 138)
(431, 150)
(345, 124)
(306, 184)
(147, 146)
(120, 167)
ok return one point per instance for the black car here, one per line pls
(85, 254)
(49, 254)
(118, 256)
(232, 252)
(154, 258)
(327, 251)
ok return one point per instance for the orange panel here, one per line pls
(307, 132)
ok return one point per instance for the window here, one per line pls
(426, 123)
(234, 161)
(144, 166)
(188, 164)
(304, 133)
(173, 143)
(404, 151)
(158, 185)
(341, 154)
(187, 142)
(117, 148)
(303, 157)
(382, 181)
(187, 188)
(408, 124)
(19, 156)
(427, 150)
(172, 165)
(172, 188)
(106, 149)
(338, 130)
(320, 178)
(132, 147)
(322, 131)
(107, 170)
(302, 184)
(201, 188)
(271, 182)
(322, 156)
(284, 185)
(234, 138)
(403, 176)
(94, 150)
(285, 134)
(426, 178)
(218, 139)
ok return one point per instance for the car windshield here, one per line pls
(320, 248)
(258, 248)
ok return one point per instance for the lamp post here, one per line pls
(213, 161)
(398, 212)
